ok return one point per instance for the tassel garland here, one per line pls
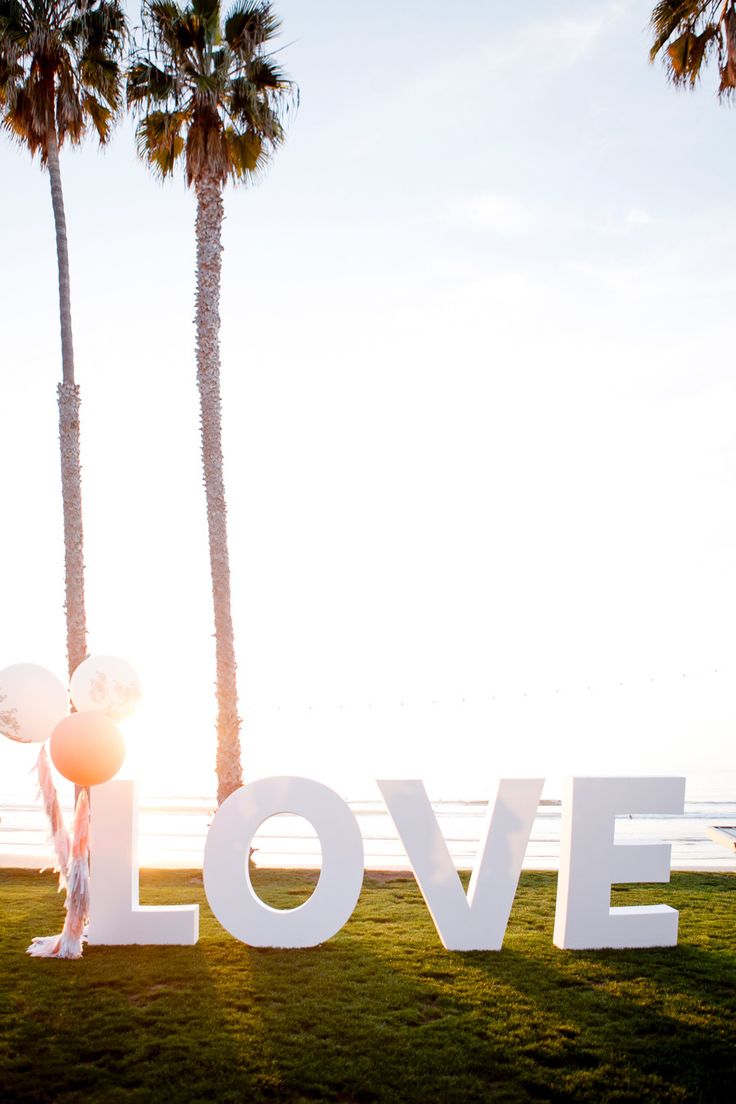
(59, 834)
(69, 943)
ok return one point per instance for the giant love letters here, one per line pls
(591, 861)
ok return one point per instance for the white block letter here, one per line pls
(476, 922)
(115, 916)
(227, 881)
(590, 863)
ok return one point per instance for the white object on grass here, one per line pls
(591, 862)
(116, 918)
(476, 922)
(227, 878)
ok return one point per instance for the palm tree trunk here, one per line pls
(209, 264)
(71, 475)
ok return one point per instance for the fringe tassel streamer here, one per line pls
(59, 834)
(69, 943)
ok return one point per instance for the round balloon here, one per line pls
(32, 702)
(87, 748)
(106, 684)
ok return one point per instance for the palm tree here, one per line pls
(207, 93)
(60, 76)
(691, 32)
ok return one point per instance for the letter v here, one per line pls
(476, 922)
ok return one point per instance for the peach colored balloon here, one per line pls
(87, 748)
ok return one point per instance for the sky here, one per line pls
(479, 413)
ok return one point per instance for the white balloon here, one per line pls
(32, 702)
(106, 684)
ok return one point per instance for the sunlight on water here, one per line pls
(172, 834)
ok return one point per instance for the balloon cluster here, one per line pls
(86, 746)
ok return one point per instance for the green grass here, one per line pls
(380, 1013)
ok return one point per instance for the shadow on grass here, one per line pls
(636, 1025)
(384, 1013)
(122, 1024)
(380, 1013)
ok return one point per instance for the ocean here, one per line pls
(172, 833)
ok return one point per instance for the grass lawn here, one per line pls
(380, 1013)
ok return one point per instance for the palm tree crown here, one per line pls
(692, 32)
(59, 70)
(207, 90)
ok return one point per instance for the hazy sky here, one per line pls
(479, 411)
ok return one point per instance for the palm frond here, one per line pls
(246, 152)
(169, 28)
(10, 74)
(69, 113)
(669, 16)
(264, 72)
(686, 55)
(149, 83)
(728, 66)
(100, 115)
(20, 121)
(208, 12)
(688, 33)
(250, 24)
(101, 75)
(251, 110)
(159, 140)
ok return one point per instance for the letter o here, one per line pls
(227, 880)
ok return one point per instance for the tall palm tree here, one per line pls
(207, 93)
(691, 33)
(60, 77)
